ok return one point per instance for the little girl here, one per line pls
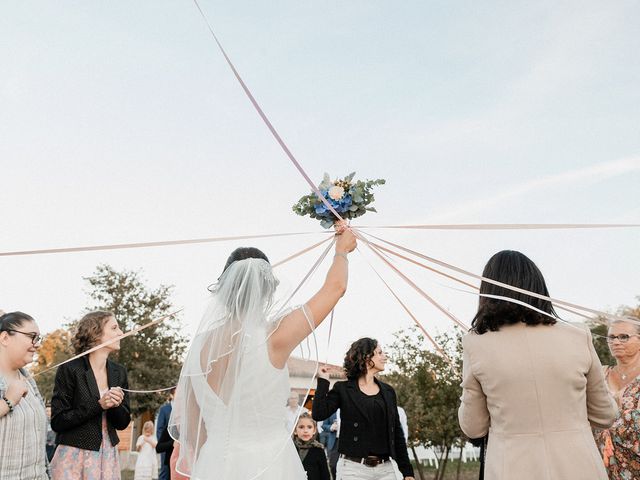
(310, 450)
(147, 462)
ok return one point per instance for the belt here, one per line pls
(370, 461)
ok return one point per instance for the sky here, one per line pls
(121, 122)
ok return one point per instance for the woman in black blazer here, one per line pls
(370, 431)
(89, 405)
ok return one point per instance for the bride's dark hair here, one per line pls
(242, 253)
(515, 269)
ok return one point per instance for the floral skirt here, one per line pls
(72, 463)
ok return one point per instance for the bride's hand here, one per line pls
(340, 226)
(345, 239)
(323, 372)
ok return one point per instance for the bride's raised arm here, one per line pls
(297, 325)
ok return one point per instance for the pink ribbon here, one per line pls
(113, 340)
(164, 243)
(504, 285)
(301, 252)
(265, 119)
(507, 226)
(413, 285)
(413, 317)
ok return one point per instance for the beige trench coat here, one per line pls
(536, 390)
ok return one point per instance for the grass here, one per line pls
(468, 471)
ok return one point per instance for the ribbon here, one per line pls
(301, 252)
(155, 322)
(559, 307)
(309, 273)
(503, 285)
(435, 270)
(113, 340)
(326, 361)
(164, 243)
(507, 226)
(525, 304)
(413, 285)
(413, 317)
(265, 119)
(159, 390)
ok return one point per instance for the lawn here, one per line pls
(468, 471)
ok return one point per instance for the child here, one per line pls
(310, 450)
(147, 462)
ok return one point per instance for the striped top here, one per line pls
(23, 435)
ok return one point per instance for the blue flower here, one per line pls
(321, 209)
(340, 206)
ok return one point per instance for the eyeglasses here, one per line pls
(36, 338)
(623, 337)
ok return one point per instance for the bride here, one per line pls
(228, 410)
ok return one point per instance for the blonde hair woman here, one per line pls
(620, 444)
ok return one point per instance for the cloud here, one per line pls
(589, 175)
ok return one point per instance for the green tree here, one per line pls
(428, 388)
(599, 333)
(153, 357)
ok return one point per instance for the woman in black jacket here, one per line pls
(89, 405)
(370, 431)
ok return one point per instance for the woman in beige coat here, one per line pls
(534, 385)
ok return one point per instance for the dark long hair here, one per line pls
(242, 253)
(358, 357)
(13, 320)
(515, 269)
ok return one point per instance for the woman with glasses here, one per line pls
(620, 444)
(23, 420)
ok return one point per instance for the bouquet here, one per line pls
(350, 199)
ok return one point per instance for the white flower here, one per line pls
(336, 192)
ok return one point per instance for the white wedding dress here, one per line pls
(228, 414)
(256, 443)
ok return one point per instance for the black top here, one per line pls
(482, 443)
(356, 427)
(315, 464)
(377, 411)
(76, 415)
(165, 445)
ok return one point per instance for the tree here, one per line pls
(153, 357)
(56, 347)
(599, 333)
(428, 388)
